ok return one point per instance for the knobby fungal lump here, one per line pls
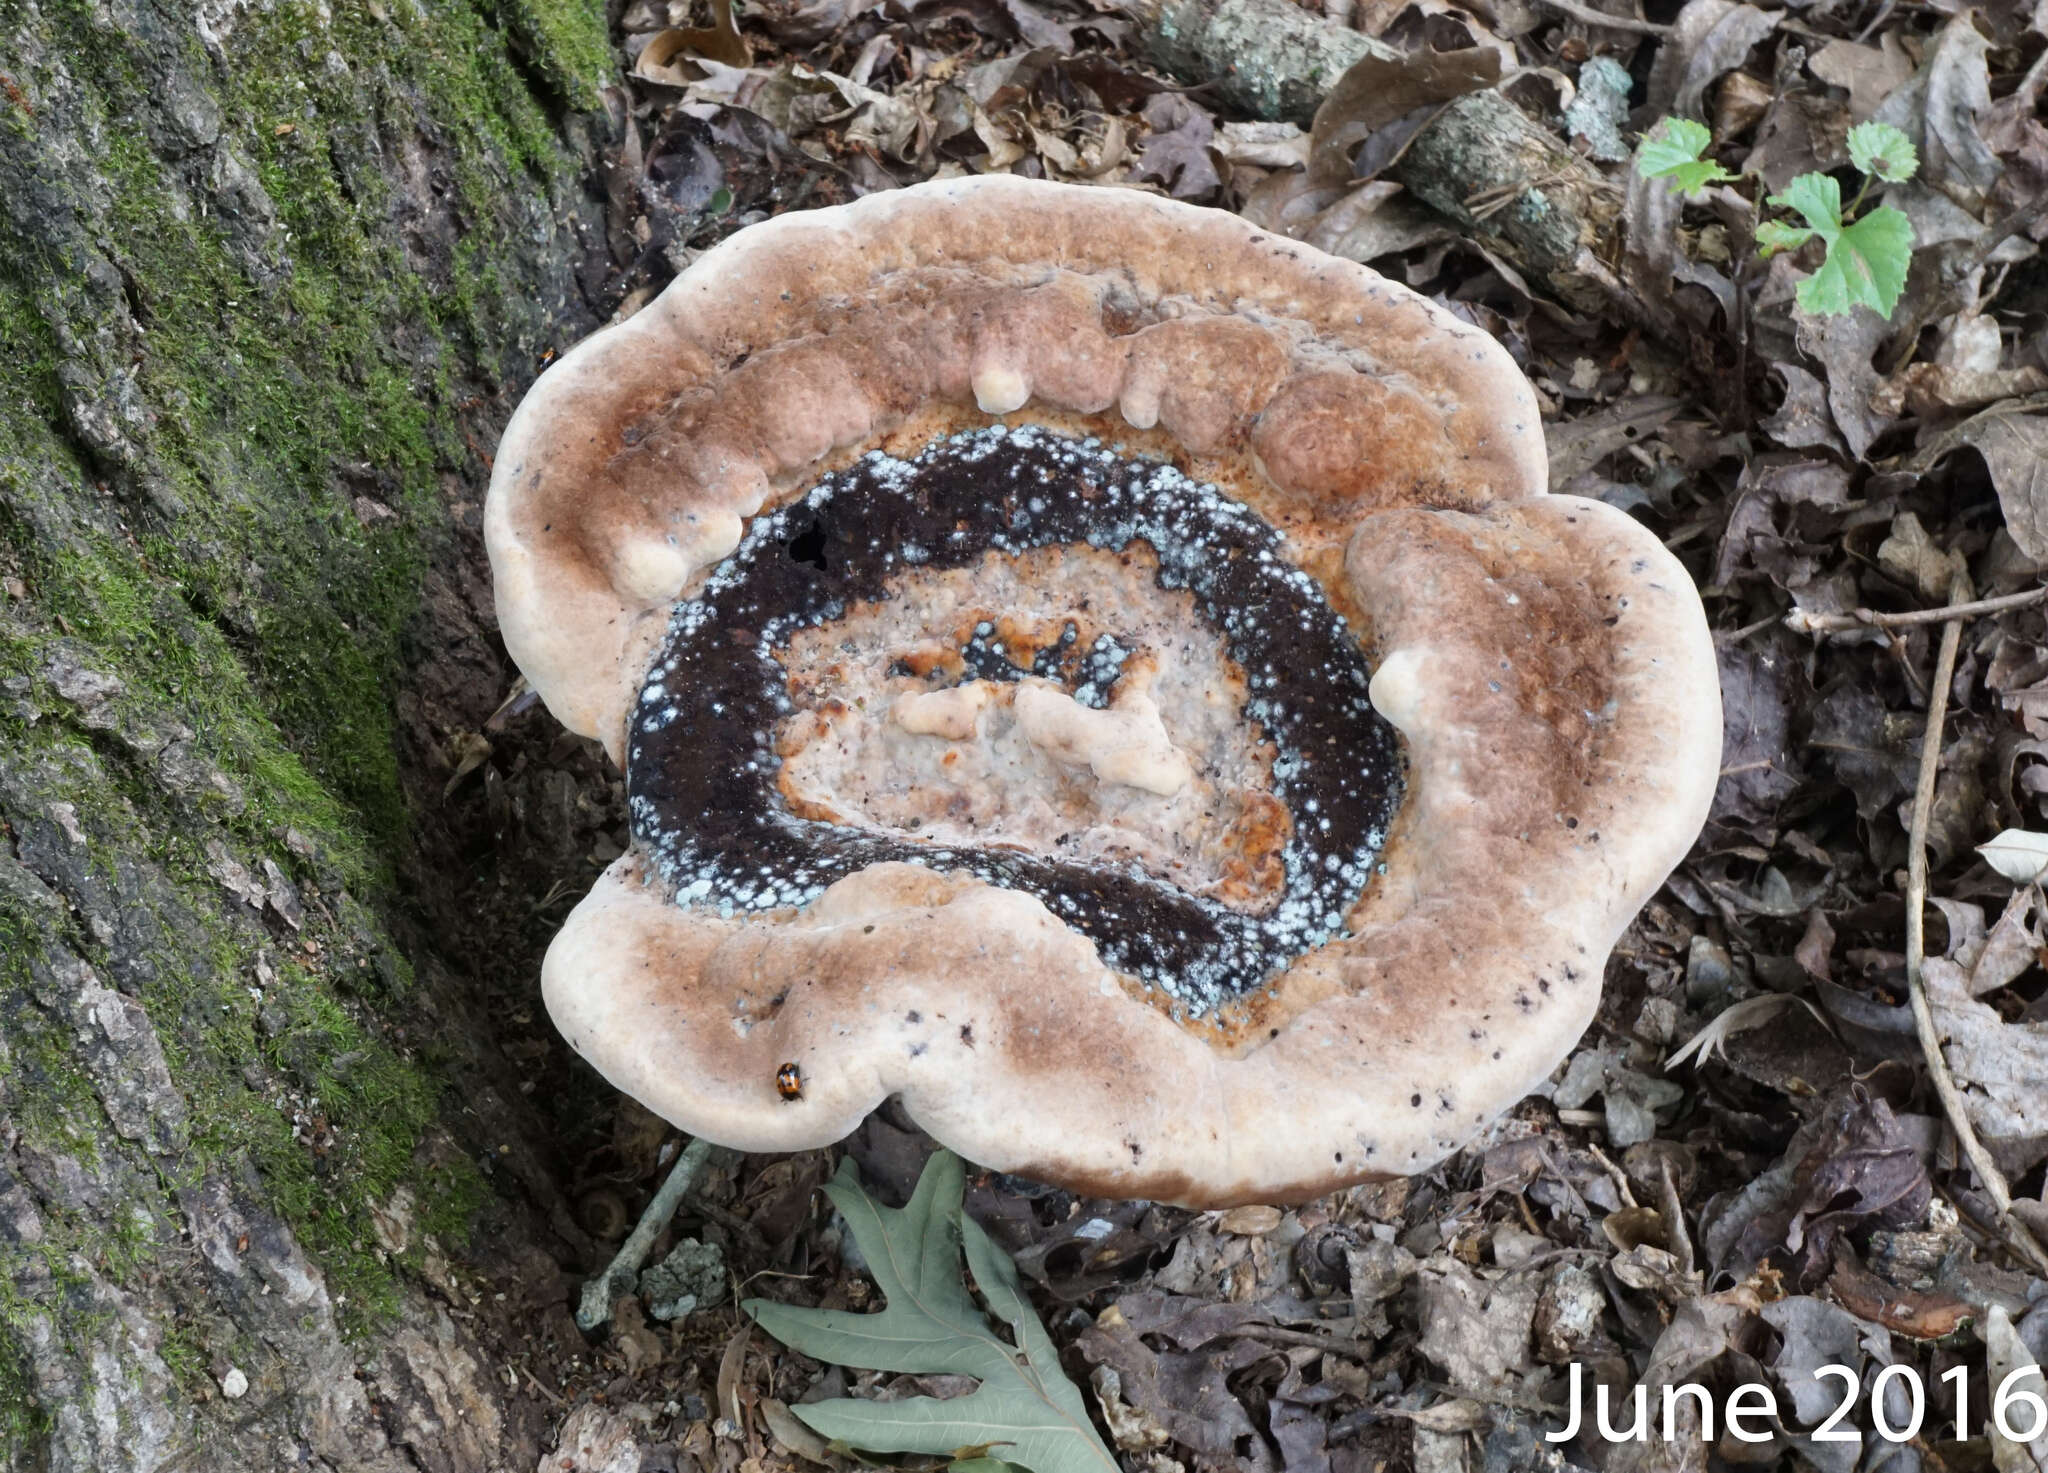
(1101, 673)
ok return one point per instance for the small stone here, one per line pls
(234, 875)
(1568, 1313)
(1659, 1021)
(1709, 972)
(594, 1439)
(283, 896)
(234, 1385)
(693, 1274)
(1600, 107)
(391, 1223)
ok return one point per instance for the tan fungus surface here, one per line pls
(1172, 776)
(1545, 659)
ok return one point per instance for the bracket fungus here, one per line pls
(1108, 676)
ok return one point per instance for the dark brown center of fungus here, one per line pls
(711, 802)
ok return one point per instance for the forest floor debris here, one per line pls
(1748, 1169)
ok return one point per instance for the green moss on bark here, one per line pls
(293, 341)
(237, 334)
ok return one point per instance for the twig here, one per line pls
(1593, 17)
(1485, 203)
(1884, 12)
(1495, 1396)
(1802, 622)
(1309, 1339)
(750, 1237)
(542, 1387)
(619, 1276)
(1614, 1174)
(1676, 1237)
(2016, 1234)
(1727, 637)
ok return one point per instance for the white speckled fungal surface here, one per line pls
(721, 750)
(1104, 675)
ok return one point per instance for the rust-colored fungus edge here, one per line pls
(1545, 658)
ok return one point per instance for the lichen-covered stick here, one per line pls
(619, 1276)
(1103, 674)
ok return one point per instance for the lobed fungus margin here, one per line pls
(1544, 659)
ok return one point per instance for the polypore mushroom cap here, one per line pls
(1033, 983)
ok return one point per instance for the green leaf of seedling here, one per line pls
(1672, 141)
(1775, 235)
(1672, 151)
(1866, 265)
(1025, 1410)
(1818, 198)
(1866, 262)
(1883, 151)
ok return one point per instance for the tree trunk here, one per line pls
(271, 279)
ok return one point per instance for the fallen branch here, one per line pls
(1507, 181)
(1503, 178)
(624, 1270)
(1587, 15)
(1270, 58)
(2015, 1232)
(1802, 622)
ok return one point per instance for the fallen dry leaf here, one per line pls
(1937, 391)
(1923, 1316)
(1376, 219)
(1844, 347)
(1911, 556)
(1477, 1329)
(1709, 38)
(2013, 441)
(2000, 1068)
(1869, 74)
(1377, 93)
(1939, 109)
(2009, 1361)
(720, 41)
(1177, 152)
(2018, 854)
(1264, 145)
(1249, 1222)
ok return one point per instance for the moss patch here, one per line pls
(294, 348)
(251, 289)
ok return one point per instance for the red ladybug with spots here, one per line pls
(789, 1081)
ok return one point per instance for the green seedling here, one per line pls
(1867, 254)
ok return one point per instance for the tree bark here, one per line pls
(270, 281)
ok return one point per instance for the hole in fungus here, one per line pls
(806, 544)
(703, 761)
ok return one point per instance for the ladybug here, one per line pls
(789, 1082)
